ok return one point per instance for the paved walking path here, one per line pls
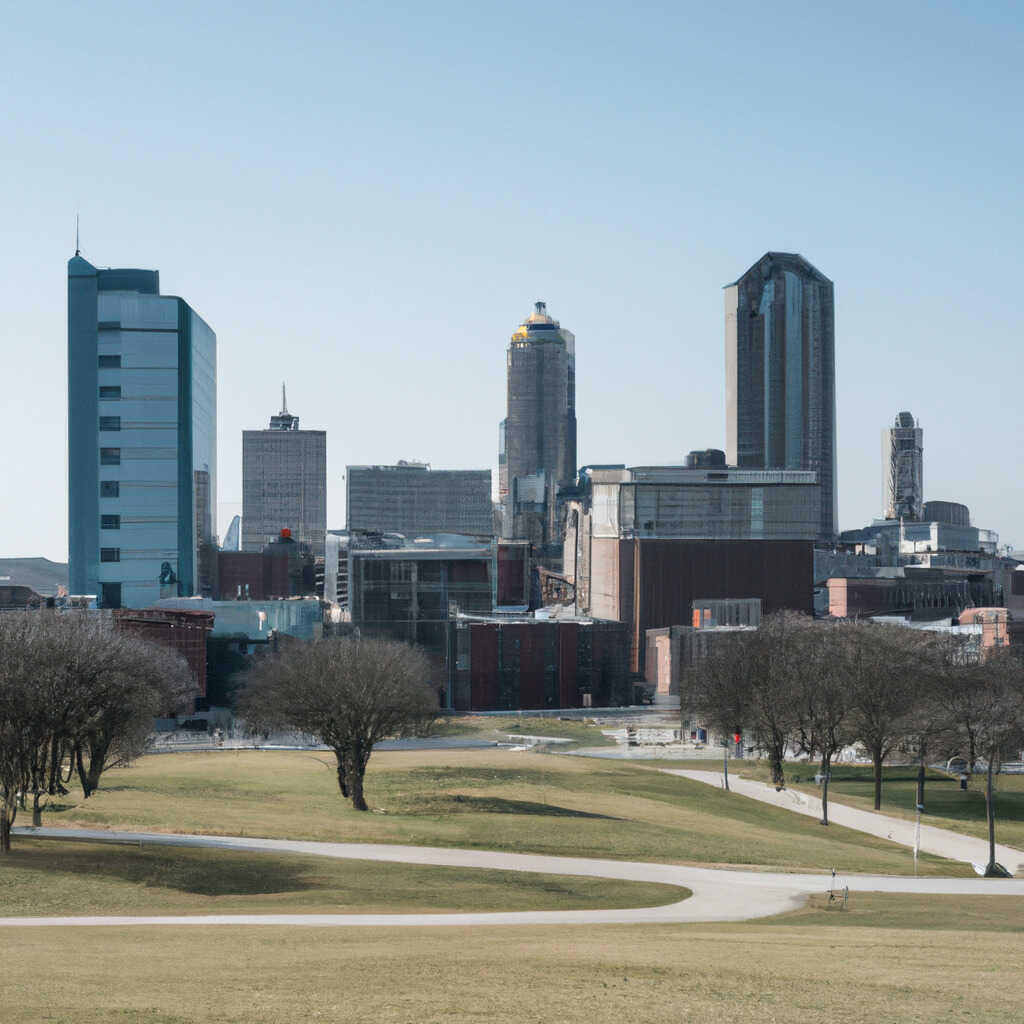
(717, 895)
(939, 841)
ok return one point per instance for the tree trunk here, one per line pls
(54, 772)
(342, 785)
(7, 815)
(990, 813)
(355, 785)
(83, 775)
(920, 784)
(972, 752)
(876, 762)
(826, 765)
(355, 770)
(778, 772)
(37, 810)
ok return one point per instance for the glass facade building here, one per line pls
(537, 438)
(142, 438)
(780, 374)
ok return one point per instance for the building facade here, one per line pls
(142, 438)
(903, 469)
(513, 664)
(284, 483)
(412, 499)
(643, 544)
(780, 374)
(537, 438)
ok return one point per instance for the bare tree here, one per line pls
(350, 692)
(73, 688)
(779, 656)
(715, 688)
(888, 671)
(139, 681)
(986, 702)
(823, 702)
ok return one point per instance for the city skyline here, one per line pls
(395, 266)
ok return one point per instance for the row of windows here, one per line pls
(110, 362)
(110, 554)
(110, 423)
(110, 489)
(110, 392)
(110, 456)
(110, 522)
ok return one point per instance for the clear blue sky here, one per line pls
(365, 199)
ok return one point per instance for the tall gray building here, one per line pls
(142, 438)
(903, 469)
(537, 446)
(780, 374)
(413, 499)
(284, 483)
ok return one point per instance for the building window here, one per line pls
(110, 456)
(110, 423)
(110, 595)
(110, 362)
(110, 522)
(110, 554)
(110, 392)
(110, 489)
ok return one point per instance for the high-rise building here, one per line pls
(903, 469)
(537, 439)
(780, 374)
(142, 438)
(284, 483)
(413, 499)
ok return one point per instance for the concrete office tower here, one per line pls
(537, 449)
(780, 374)
(903, 469)
(284, 483)
(142, 438)
(413, 499)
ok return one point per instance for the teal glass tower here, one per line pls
(142, 438)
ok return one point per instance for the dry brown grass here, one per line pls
(744, 974)
(517, 802)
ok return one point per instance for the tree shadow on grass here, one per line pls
(199, 872)
(460, 803)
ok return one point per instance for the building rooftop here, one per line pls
(687, 475)
(770, 260)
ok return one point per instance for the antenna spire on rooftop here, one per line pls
(78, 250)
(284, 401)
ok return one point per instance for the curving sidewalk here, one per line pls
(718, 895)
(939, 841)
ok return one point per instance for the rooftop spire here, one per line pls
(78, 250)
(284, 420)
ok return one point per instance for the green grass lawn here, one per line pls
(514, 801)
(946, 805)
(622, 974)
(50, 877)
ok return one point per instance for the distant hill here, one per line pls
(42, 575)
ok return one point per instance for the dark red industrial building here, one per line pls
(181, 631)
(540, 663)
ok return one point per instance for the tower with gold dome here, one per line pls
(537, 446)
